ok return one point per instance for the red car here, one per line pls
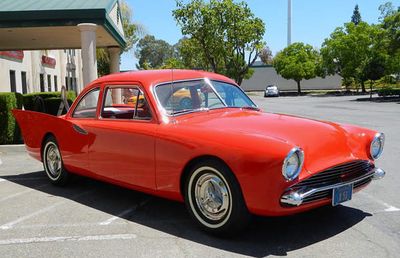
(221, 155)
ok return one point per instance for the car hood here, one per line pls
(324, 143)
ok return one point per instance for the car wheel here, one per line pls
(52, 162)
(186, 103)
(214, 199)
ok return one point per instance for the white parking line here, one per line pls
(66, 238)
(88, 224)
(16, 178)
(389, 208)
(21, 193)
(120, 215)
(11, 224)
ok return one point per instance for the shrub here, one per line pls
(9, 130)
(29, 99)
(388, 91)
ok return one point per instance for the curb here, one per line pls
(12, 148)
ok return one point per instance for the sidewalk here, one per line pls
(12, 148)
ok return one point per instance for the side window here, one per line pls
(86, 107)
(125, 103)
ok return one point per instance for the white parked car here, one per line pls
(271, 91)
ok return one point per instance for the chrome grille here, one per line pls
(338, 174)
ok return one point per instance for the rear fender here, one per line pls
(35, 126)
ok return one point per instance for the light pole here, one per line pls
(289, 23)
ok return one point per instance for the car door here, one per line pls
(124, 137)
(77, 140)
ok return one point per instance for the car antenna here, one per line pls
(172, 88)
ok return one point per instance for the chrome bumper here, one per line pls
(296, 197)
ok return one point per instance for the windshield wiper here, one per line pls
(251, 108)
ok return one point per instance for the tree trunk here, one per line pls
(363, 87)
(370, 90)
(239, 80)
(298, 88)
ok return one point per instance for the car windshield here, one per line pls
(199, 95)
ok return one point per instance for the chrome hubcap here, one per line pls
(53, 160)
(212, 196)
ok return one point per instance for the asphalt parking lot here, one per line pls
(93, 219)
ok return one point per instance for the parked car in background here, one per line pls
(271, 91)
(218, 153)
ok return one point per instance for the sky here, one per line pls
(312, 20)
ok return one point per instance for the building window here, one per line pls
(13, 84)
(23, 82)
(42, 83)
(55, 83)
(49, 82)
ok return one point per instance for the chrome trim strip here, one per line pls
(296, 197)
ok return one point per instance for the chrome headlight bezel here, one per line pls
(300, 157)
(379, 137)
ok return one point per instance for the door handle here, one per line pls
(80, 130)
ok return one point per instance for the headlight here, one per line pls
(376, 147)
(293, 164)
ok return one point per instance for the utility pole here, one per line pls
(289, 23)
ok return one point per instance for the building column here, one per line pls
(88, 53)
(114, 59)
(114, 68)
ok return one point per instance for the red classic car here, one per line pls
(221, 155)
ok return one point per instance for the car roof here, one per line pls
(153, 77)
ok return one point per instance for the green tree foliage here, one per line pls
(153, 53)
(226, 36)
(356, 17)
(386, 9)
(132, 31)
(298, 61)
(350, 50)
(391, 25)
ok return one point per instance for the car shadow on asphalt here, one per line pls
(264, 236)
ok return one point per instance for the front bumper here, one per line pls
(297, 197)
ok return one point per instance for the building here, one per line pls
(266, 75)
(34, 34)
(40, 70)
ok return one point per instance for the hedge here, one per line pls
(389, 92)
(9, 130)
(29, 99)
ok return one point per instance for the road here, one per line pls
(92, 219)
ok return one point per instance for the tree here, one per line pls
(266, 55)
(227, 35)
(386, 9)
(152, 53)
(298, 61)
(391, 26)
(349, 50)
(356, 17)
(132, 31)
(190, 53)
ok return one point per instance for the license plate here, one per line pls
(342, 194)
